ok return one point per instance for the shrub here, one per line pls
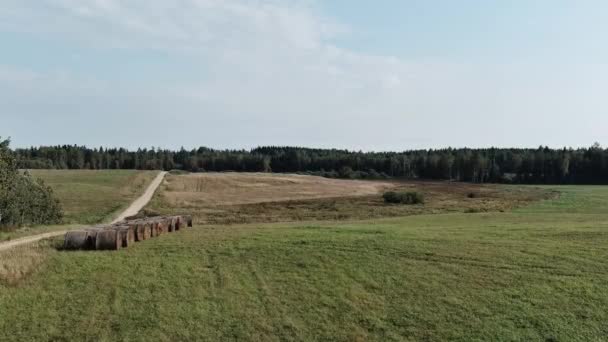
(178, 172)
(403, 197)
(472, 195)
(24, 200)
(347, 172)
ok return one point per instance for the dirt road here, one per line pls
(133, 209)
(141, 202)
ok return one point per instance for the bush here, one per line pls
(472, 195)
(347, 172)
(403, 197)
(178, 172)
(24, 200)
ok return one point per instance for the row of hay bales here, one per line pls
(125, 233)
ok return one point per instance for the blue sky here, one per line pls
(371, 75)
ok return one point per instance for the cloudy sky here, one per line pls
(357, 74)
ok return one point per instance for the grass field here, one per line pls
(229, 198)
(94, 196)
(533, 273)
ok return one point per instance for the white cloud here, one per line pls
(267, 72)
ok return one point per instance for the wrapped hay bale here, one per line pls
(75, 240)
(108, 239)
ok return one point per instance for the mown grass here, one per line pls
(536, 273)
(92, 196)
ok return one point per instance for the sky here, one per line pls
(362, 75)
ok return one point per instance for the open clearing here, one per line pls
(202, 189)
(226, 198)
(533, 272)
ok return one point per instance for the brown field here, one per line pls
(246, 188)
(226, 198)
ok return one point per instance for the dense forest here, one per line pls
(509, 165)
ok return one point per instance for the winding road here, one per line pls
(133, 209)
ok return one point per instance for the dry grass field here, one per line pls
(228, 198)
(203, 189)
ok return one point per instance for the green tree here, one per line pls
(23, 200)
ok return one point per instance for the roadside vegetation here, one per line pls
(24, 199)
(537, 272)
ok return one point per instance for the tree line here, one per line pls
(541, 165)
(23, 199)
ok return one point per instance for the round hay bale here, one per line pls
(75, 240)
(158, 227)
(91, 237)
(127, 235)
(108, 239)
(134, 226)
(178, 222)
(166, 224)
(162, 227)
(131, 234)
(188, 219)
(171, 223)
(147, 230)
(140, 232)
(153, 229)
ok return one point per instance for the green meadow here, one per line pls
(537, 273)
(92, 196)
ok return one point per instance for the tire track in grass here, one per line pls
(281, 323)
